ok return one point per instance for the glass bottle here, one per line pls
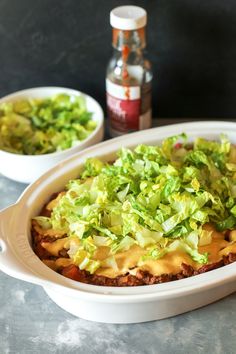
(129, 74)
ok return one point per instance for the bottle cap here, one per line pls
(128, 17)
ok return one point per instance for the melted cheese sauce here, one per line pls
(127, 261)
(168, 264)
(47, 232)
(229, 249)
(55, 247)
(60, 262)
(54, 202)
(213, 249)
(171, 262)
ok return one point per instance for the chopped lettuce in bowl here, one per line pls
(38, 126)
(42, 126)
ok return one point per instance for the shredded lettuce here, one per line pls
(43, 221)
(82, 252)
(41, 126)
(156, 197)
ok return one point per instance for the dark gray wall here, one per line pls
(191, 43)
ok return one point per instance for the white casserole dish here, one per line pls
(97, 303)
(27, 168)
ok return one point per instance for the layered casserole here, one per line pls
(155, 214)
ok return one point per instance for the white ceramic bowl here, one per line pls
(27, 168)
(98, 303)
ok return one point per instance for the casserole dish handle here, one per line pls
(9, 261)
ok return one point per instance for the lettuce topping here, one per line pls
(156, 197)
(41, 126)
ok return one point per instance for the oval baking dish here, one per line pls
(99, 303)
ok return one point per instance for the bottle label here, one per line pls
(124, 107)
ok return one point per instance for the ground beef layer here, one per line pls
(142, 277)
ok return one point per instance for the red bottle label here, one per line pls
(123, 114)
(123, 107)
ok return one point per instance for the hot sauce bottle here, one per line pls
(129, 74)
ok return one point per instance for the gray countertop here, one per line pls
(31, 323)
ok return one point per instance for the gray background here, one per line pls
(191, 44)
